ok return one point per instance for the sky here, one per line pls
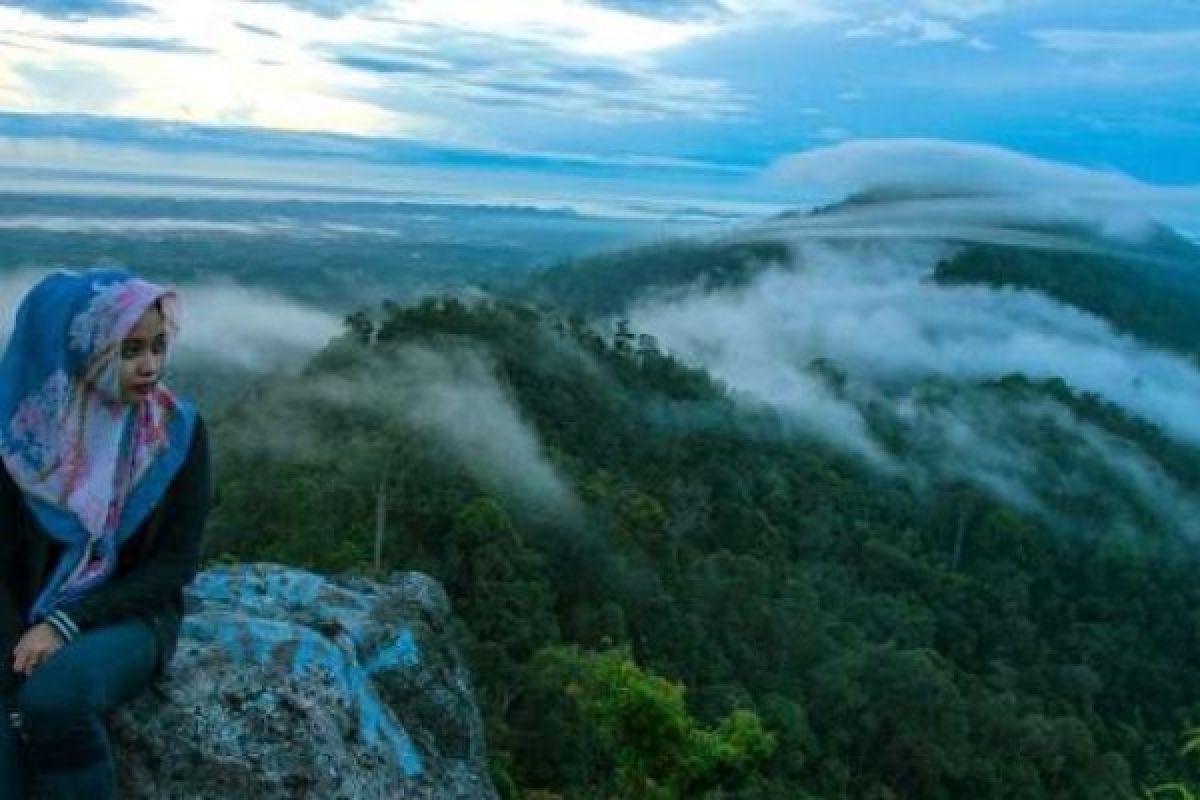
(702, 102)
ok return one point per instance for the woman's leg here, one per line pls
(65, 700)
(12, 760)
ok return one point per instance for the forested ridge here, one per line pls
(716, 604)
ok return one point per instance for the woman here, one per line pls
(104, 490)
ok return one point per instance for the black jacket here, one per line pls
(154, 564)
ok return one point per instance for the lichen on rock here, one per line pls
(288, 684)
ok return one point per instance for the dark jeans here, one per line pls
(63, 704)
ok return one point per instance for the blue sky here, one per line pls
(692, 101)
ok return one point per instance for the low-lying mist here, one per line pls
(224, 325)
(448, 398)
(872, 310)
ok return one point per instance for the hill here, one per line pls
(1146, 283)
(615, 522)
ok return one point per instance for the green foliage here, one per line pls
(653, 747)
(1154, 296)
(892, 639)
(1178, 789)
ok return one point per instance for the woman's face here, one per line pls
(143, 355)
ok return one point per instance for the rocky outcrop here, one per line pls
(290, 685)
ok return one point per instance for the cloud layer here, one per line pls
(726, 78)
(450, 398)
(987, 185)
(74, 9)
(872, 311)
(223, 324)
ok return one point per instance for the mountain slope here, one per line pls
(899, 633)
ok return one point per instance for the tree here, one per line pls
(641, 724)
(359, 324)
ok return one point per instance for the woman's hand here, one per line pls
(39, 643)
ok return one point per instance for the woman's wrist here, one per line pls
(63, 625)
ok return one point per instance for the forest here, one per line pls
(676, 594)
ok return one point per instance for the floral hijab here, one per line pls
(91, 467)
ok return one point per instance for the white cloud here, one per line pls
(967, 9)
(785, 13)
(832, 134)
(574, 27)
(907, 29)
(237, 76)
(1021, 187)
(871, 310)
(223, 324)
(1084, 41)
(450, 397)
(937, 163)
(459, 400)
(250, 328)
(625, 189)
(136, 226)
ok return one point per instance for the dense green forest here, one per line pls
(709, 603)
(1155, 298)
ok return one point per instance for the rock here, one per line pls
(290, 685)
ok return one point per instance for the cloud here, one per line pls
(73, 83)
(484, 69)
(450, 397)
(329, 9)
(1004, 184)
(832, 133)
(233, 77)
(257, 29)
(78, 155)
(667, 9)
(783, 14)
(907, 29)
(141, 225)
(348, 65)
(393, 65)
(223, 324)
(252, 329)
(135, 43)
(937, 164)
(1077, 41)
(74, 9)
(460, 401)
(871, 310)
(966, 9)
(992, 439)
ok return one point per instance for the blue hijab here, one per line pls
(91, 466)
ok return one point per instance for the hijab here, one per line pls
(90, 465)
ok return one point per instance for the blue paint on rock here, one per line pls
(299, 650)
(402, 652)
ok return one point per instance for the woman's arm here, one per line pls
(149, 587)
